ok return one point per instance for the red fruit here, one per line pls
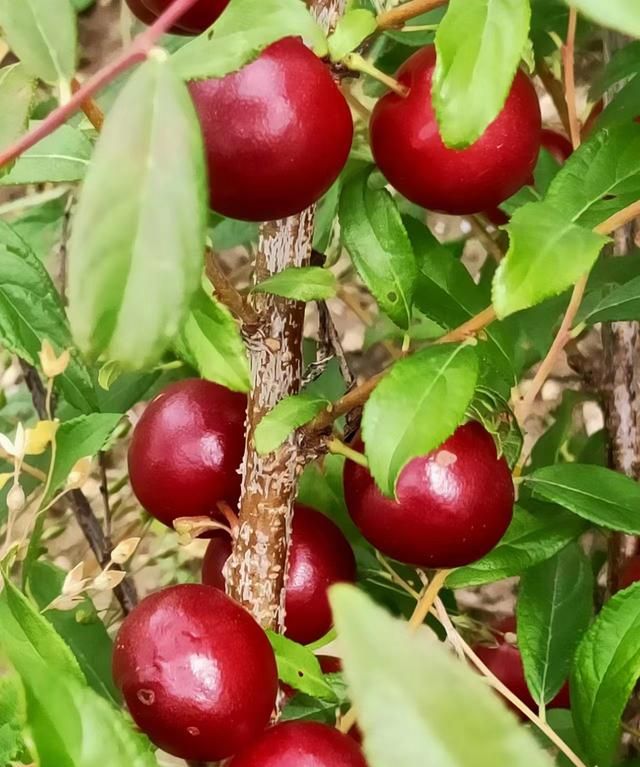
(453, 504)
(196, 671)
(301, 744)
(504, 660)
(320, 556)
(630, 573)
(558, 146)
(407, 147)
(140, 11)
(192, 22)
(277, 133)
(186, 450)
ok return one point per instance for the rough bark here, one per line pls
(621, 344)
(256, 571)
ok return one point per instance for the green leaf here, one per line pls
(415, 407)
(299, 668)
(61, 157)
(479, 45)
(356, 25)
(547, 254)
(79, 438)
(17, 90)
(531, 538)
(622, 303)
(286, 416)
(406, 720)
(42, 34)
(605, 671)
(138, 238)
(615, 14)
(31, 311)
(373, 233)
(601, 496)
(13, 716)
(555, 606)
(244, 30)
(81, 628)
(27, 637)
(303, 283)
(72, 726)
(210, 340)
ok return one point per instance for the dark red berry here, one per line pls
(630, 572)
(453, 505)
(192, 22)
(196, 671)
(140, 11)
(277, 133)
(504, 660)
(407, 146)
(320, 556)
(301, 744)
(186, 450)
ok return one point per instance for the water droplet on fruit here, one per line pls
(193, 731)
(146, 697)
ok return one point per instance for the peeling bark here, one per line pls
(256, 571)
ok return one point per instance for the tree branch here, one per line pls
(398, 16)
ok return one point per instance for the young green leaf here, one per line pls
(27, 637)
(81, 628)
(286, 416)
(605, 671)
(555, 606)
(615, 14)
(80, 438)
(531, 538)
(138, 238)
(373, 233)
(17, 90)
(244, 30)
(415, 407)
(61, 157)
(13, 716)
(352, 28)
(31, 311)
(479, 45)
(601, 496)
(210, 340)
(42, 34)
(406, 721)
(547, 254)
(303, 283)
(299, 668)
(622, 303)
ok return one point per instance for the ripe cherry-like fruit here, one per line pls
(301, 744)
(504, 660)
(199, 17)
(453, 504)
(630, 572)
(196, 671)
(407, 146)
(277, 133)
(320, 556)
(186, 450)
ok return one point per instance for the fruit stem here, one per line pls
(425, 603)
(358, 63)
(419, 28)
(396, 17)
(335, 446)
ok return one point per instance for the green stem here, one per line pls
(357, 63)
(335, 446)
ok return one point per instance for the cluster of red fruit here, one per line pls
(274, 147)
(197, 672)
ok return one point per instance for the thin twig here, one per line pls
(568, 62)
(329, 335)
(136, 53)
(92, 111)
(104, 492)
(226, 292)
(480, 232)
(398, 16)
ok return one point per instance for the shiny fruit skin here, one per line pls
(558, 146)
(320, 556)
(197, 19)
(504, 660)
(196, 671)
(277, 133)
(630, 572)
(139, 9)
(186, 450)
(453, 505)
(301, 744)
(409, 151)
